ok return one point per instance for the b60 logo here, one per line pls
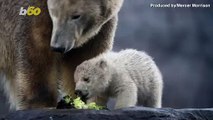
(31, 10)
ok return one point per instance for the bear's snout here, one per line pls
(78, 92)
(82, 94)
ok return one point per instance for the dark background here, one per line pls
(180, 41)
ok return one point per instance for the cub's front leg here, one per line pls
(98, 100)
(127, 96)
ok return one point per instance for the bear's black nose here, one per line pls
(78, 93)
(58, 49)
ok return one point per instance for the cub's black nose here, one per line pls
(58, 49)
(78, 93)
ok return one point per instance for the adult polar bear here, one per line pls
(81, 28)
(130, 76)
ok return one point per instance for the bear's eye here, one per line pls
(75, 17)
(86, 79)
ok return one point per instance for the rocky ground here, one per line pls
(138, 113)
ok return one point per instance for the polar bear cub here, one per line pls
(130, 76)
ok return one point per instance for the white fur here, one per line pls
(130, 76)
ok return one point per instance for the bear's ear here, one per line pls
(102, 64)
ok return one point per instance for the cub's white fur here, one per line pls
(130, 76)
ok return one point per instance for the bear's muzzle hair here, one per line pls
(61, 42)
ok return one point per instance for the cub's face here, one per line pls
(76, 21)
(91, 78)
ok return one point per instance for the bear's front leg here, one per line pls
(127, 96)
(36, 88)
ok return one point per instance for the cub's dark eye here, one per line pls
(75, 17)
(86, 79)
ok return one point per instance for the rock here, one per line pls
(137, 113)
